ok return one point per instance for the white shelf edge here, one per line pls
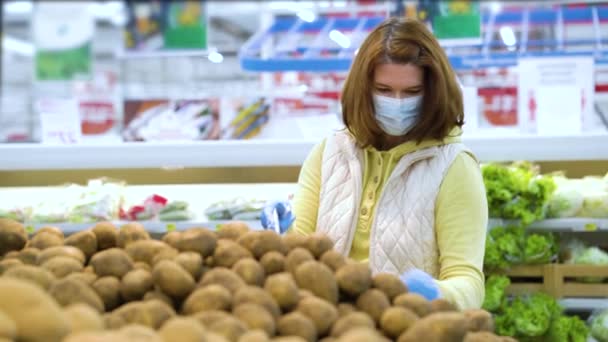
(570, 224)
(235, 153)
(584, 304)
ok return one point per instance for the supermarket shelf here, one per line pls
(249, 153)
(574, 224)
(154, 227)
(584, 304)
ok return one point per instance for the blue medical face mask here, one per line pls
(397, 116)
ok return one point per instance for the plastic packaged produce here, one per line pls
(578, 253)
(512, 245)
(567, 200)
(598, 325)
(236, 209)
(100, 200)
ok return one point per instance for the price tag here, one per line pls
(59, 121)
(590, 227)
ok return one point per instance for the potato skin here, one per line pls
(13, 236)
(373, 302)
(86, 241)
(297, 324)
(67, 251)
(51, 230)
(333, 259)
(479, 320)
(294, 240)
(318, 244)
(28, 256)
(106, 234)
(318, 279)
(172, 279)
(135, 284)
(262, 242)
(191, 262)
(182, 329)
(296, 257)
(131, 232)
(442, 305)
(415, 302)
(146, 250)
(229, 327)
(482, 336)
(8, 328)
(351, 320)
(83, 318)
(33, 274)
(273, 262)
(390, 284)
(200, 240)
(283, 288)
(228, 252)
(61, 266)
(250, 271)
(321, 312)
(151, 313)
(255, 316)
(72, 291)
(395, 320)
(112, 262)
(208, 298)
(233, 230)
(44, 240)
(224, 277)
(442, 326)
(256, 295)
(7, 264)
(108, 289)
(354, 279)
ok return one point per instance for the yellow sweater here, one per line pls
(461, 215)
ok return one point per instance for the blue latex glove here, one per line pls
(422, 283)
(277, 216)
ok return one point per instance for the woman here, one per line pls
(397, 188)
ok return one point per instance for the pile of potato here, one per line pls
(234, 284)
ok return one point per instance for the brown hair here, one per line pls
(402, 41)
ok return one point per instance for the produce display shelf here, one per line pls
(584, 304)
(572, 224)
(250, 153)
(286, 44)
(153, 227)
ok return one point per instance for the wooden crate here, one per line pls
(558, 280)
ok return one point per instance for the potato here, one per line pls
(255, 316)
(165, 254)
(322, 313)
(182, 329)
(211, 297)
(44, 240)
(145, 250)
(106, 234)
(51, 230)
(297, 324)
(228, 252)
(262, 242)
(71, 291)
(318, 279)
(229, 327)
(61, 266)
(207, 318)
(37, 316)
(273, 262)
(8, 328)
(66, 251)
(191, 262)
(29, 256)
(140, 265)
(345, 308)
(36, 275)
(13, 236)
(350, 321)
(151, 313)
(318, 244)
(96, 336)
(415, 302)
(112, 262)
(131, 232)
(224, 277)
(200, 240)
(296, 257)
(7, 264)
(135, 284)
(354, 279)
(333, 259)
(396, 320)
(479, 320)
(442, 326)
(172, 279)
(139, 333)
(442, 305)
(232, 230)
(86, 241)
(373, 302)
(83, 318)
(108, 290)
(87, 278)
(159, 295)
(250, 271)
(288, 339)
(390, 284)
(215, 337)
(171, 238)
(362, 334)
(254, 336)
(253, 294)
(294, 240)
(482, 336)
(282, 287)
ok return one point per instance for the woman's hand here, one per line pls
(421, 283)
(278, 216)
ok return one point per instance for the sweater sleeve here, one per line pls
(461, 218)
(306, 199)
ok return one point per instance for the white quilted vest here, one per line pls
(403, 226)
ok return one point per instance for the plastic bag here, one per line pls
(578, 253)
(598, 325)
(237, 208)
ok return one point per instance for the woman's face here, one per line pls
(398, 80)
